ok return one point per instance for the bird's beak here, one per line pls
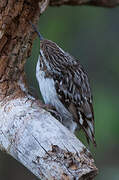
(35, 29)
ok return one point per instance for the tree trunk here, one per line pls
(29, 133)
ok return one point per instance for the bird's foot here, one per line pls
(48, 108)
(53, 111)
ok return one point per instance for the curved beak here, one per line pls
(35, 29)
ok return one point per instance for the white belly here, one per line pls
(49, 94)
(46, 85)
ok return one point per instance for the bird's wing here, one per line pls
(74, 92)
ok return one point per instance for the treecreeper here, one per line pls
(64, 84)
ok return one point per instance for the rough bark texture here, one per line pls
(15, 43)
(27, 132)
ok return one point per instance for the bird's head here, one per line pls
(50, 52)
(45, 45)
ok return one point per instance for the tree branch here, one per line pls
(102, 3)
(42, 144)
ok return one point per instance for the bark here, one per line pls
(41, 143)
(27, 132)
(103, 3)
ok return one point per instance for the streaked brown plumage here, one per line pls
(64, 84)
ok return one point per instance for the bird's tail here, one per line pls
(90, 136)
(88, 127)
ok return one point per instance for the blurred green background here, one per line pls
(91, 34)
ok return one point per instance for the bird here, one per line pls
(64, 84)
